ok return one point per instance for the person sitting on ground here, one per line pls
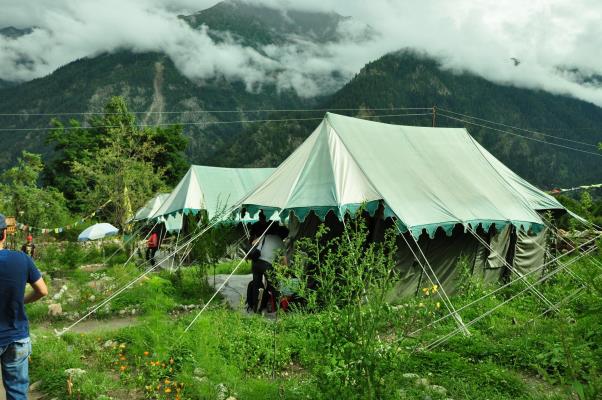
(152, 247)
(16, 270)
(29, 248)
(269, 246)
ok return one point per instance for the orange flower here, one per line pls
(167, 390)
(146, 353)
(122, 368)
(167, 381)
(122, 358)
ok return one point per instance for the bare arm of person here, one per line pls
(39, 290)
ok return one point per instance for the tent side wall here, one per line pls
(452, 258)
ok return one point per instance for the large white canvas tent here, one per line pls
(212, 189)
(430, 181)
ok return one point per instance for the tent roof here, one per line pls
(213, 189)
(426, 177)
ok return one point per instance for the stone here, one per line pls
(421, 382)
(222, 391)
(92, 298)
(410, 375)
(109, 343)
(438, 389)
(35, 386)
(55, 310)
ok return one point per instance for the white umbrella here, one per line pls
(97, 231)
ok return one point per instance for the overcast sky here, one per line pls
(479, 36)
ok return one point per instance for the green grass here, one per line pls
(227, 267)
(506, 356)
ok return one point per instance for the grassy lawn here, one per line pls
(514, 353)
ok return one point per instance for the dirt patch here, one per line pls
(154, 112)
(537, 385)
(93, 267)
(102, 325)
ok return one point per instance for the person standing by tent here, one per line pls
(152, 247)
(258, 227)
(16, 270)
(269, 247)
(29, 248)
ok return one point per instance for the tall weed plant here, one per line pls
(344, 282)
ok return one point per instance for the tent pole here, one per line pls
(174, 257)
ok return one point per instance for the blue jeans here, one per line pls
(15, 369)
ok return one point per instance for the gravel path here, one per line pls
(235, 290)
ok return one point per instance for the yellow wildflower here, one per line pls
(438, 305)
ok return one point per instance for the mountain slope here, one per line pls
(407, 79)
(148, 81)
(151, 82)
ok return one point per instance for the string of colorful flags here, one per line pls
(584, 187)
(29, 228)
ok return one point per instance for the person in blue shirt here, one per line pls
(16, 270)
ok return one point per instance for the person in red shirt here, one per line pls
(29, 248)
(152, 247)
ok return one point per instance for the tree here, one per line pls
(71, 144)
(77, 145)
(40, 207)
(173, 142)
(121, 169)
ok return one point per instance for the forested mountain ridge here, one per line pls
(407, 79)
(151, 83)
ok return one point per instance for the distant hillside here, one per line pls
(151, 82)
(257, 25)
(12, 32)
(407, 79)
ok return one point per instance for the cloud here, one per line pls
(480, 37)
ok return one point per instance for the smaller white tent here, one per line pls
(151, 207)
(213, 189)
(173, 223)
